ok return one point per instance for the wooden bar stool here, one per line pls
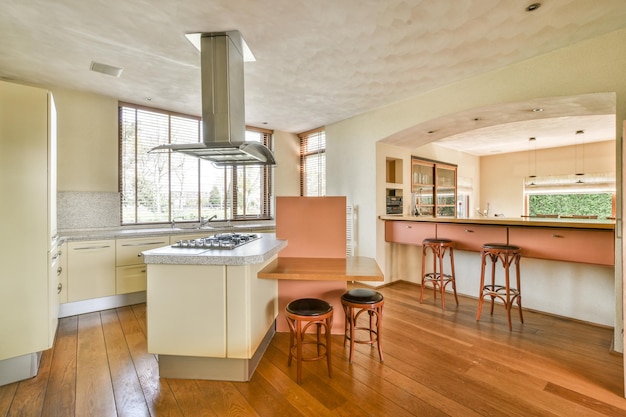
(302, 314)
(437, 277)
(508, 255)
(356, 302)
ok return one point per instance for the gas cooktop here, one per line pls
(218, 241)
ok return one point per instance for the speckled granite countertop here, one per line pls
(255, 252)
(131, 232)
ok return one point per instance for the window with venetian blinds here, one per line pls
(313, 163)
(161, 187)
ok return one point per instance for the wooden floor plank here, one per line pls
(60, 400)
(30, 393)
(265, 399)
(7, 393)
(94, 390)
(129, 399)
(191, 399)
(159, 397)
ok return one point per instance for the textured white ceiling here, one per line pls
(318, 61)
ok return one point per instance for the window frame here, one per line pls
(233, 180)
(304, 155)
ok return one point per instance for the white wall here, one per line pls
(502, 176)
(88, 146)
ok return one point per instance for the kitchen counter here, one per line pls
(147, 231)
(605, 224)
(255, 252)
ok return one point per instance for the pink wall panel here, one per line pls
(314, 226)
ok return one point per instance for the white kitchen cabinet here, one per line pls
(130, 271)
(27, 221)
(90, 269)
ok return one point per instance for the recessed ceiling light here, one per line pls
(106, 69)
(533, 7)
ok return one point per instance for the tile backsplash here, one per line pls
(86, 210)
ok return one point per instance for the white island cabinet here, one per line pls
(209, 316)
(28, 223)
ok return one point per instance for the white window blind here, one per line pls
(313, 163)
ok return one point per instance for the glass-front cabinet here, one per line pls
(433, 188)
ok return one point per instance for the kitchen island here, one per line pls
(209, 316)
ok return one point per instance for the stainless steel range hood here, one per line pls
(223, 114)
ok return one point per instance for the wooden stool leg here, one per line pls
(442, 288)
(299, 336)
(329, 325)
(507, 286)
(452, 275)
(481, 296)
(423, 273)
(494, 261)
(379, 319)
(352, 326)
(434, 250)
(519, 288)
(346, 322)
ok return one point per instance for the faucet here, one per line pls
(207, 221)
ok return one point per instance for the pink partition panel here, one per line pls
(315, 227)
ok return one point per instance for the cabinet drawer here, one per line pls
(90, 270)
(471, 237)
(412, 233)
(128, 251)
(130, 279)
(572, 245)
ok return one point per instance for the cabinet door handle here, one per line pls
(469, 231)
(59, 288)
(93, 247)
(143, 243)
(59, 270)
(409, 227)
(559, 236)
(139, 255)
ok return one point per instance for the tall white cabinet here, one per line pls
(28, 299)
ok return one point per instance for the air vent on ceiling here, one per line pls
(106, 69)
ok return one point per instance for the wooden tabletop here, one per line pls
(357, 268)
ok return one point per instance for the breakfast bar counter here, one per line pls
(357, 268)
(576, 223)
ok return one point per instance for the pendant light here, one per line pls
(532, 160)
(579, 156)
